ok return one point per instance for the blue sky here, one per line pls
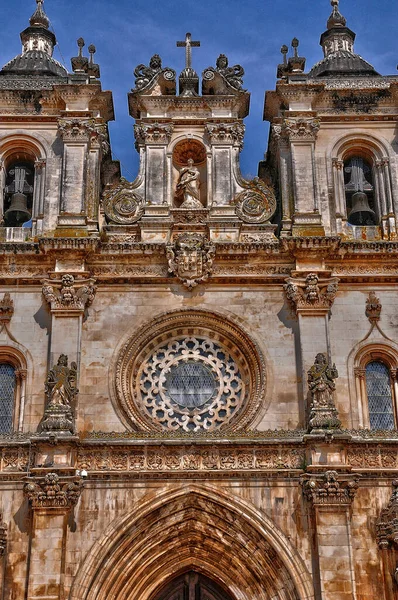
(250, 32)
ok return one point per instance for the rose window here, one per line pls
(188, 371)
(190, 383)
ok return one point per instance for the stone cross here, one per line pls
(188, 44)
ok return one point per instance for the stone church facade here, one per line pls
(198, 373)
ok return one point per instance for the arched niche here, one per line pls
(189, 167)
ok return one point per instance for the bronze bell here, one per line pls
(361, 214)
(18, 212)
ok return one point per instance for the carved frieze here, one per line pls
(69, 293)
(226, 133)
(311, 294)
(387, 524)
(190, 258)
(153, 133)
(359, 101)
(6, 308)
(297, 129)
(3, 536)
(330, 488)
(321, 386)
(122, 205)
(53, 492)
(257, 203)
(373, 308)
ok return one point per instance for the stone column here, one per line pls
(51, 498)
(339, 193)
(311, 298)
(2, 186)
(387, 539)
(38, 196)
(329, 496)
(3, 548)
(98, 144)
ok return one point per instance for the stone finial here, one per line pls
(330, 488)
(312, 293)
(321, 386)
(387, 524)
(336, 19)
(53, 492)
(93, 68)
(373, 308)
(39, 17)
(69, 294)
(61, 391)
(3, 536)
(6, 308)
(80, 62)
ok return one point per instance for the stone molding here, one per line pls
(312, 294)
(226, 134)
(6, 309)
(330, 488)
(387, 523)
(53, 492)
(69, 294)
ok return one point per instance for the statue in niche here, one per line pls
(321, 378)
(61, 383)
(188, 186)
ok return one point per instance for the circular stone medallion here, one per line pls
(190, 384)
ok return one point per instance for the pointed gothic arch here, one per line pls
(193, 528)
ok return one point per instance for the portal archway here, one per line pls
(192, 586)
(193, 528)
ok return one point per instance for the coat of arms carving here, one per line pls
(191, 258)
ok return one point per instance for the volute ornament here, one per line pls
(233, 76)
(191, 258)
(122, 204)
(146, 76)
(257, 203)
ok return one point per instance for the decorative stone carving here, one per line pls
(226, 133)
(191, 258)
(233, 76)
(6, 308)
(122, 204)
(153, 133)
(387, 524)
(188, 187)
(145, 76)
(76, 130)
(3, 536)
(60, 392)
(330, 488)
(311, 293)
(299, 129)
(373, 308)
(53, 492)
(321, 376)
(257, 203)
(68, 293)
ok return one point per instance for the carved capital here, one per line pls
(76, 130)
(298, 129)
(330, 488)
(69, 294)
(6, 308)
(3, 536)
(190, 258)
(338, 164)
(311, 294)
(360, 373)
(53, 492)
(226, 133)
(373, 308)
(153, 133)
(40, 164)
(387, 523)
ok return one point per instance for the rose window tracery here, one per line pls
(188, 371)
(190, 383)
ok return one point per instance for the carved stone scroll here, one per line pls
(257, 203)
(145, 77)
(122, 204)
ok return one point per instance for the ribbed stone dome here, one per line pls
(34, 62)
(342, 64)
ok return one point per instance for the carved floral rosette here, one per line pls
(53, 492)
(190, 258)
(122, 205)
(188, 371)
(257, 203)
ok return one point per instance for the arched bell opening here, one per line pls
(192, 586)
(189, 175)
(362, 210)
(18, 192)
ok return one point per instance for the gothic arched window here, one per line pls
(359, 192)
(380, 396)
(8, 388)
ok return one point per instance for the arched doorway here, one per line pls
(192, 586)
